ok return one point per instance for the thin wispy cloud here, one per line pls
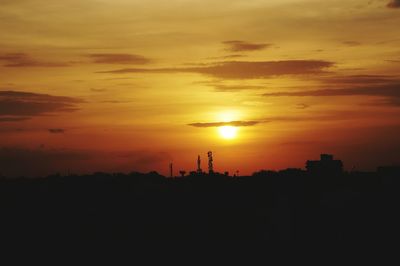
(242, 69)
(242, 46)
(235, 88)
(56, 130)
(129, 59)
(13, 118)
(328, 116)
(391, 92)
(351, 43)
(359, 80)
(231, 123)
(18, 106)
(25, 60)
(231, 56)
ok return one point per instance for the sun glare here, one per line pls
(227, 132)
(228, 116)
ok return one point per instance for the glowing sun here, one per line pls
(227, 132)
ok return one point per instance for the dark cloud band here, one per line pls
(18, 106)
(25, 60)
(56, 130)
(243, 69)
(242, 46)
(231, 123)
(119, 59)
(391, 92)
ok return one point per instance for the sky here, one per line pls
(129, 85)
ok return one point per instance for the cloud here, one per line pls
(351, 43)
(394, 4)
(116, 101)
(231, 123)
(119, 59)
(97, 90)
(13, 118)
(242, 46)
(320, 117)
(391, 92)
(243, 69)
(56, 130)
(18, 106)
(233, 88)
(232, 56)
(25, 60)
(221, 86)
(359, 80)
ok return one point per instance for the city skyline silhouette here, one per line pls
(183, 130)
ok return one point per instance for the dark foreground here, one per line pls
(286, 215)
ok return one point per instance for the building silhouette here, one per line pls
(326, 165)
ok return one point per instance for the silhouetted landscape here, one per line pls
(319, 208)
(105, 106)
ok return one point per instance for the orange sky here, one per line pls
(124, 85)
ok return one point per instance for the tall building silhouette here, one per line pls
(326, 165)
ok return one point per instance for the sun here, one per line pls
(227, 132)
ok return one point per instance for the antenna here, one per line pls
(210, 162)
(171, 170)
(199, 171)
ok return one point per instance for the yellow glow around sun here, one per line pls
(227, 132)
(228, 116)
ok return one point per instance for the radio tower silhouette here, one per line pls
(171, 170)
(210, 162)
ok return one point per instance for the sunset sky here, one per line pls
(132, 85)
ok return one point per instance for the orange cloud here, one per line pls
(241, 46)
(24, 60)
(391, 92)
(243, 69)
(119, 59)
(233, 88)
(56, 130)
(13, 118)
(18, 106)
(232, 123)
(351, 43)
(359, 80)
